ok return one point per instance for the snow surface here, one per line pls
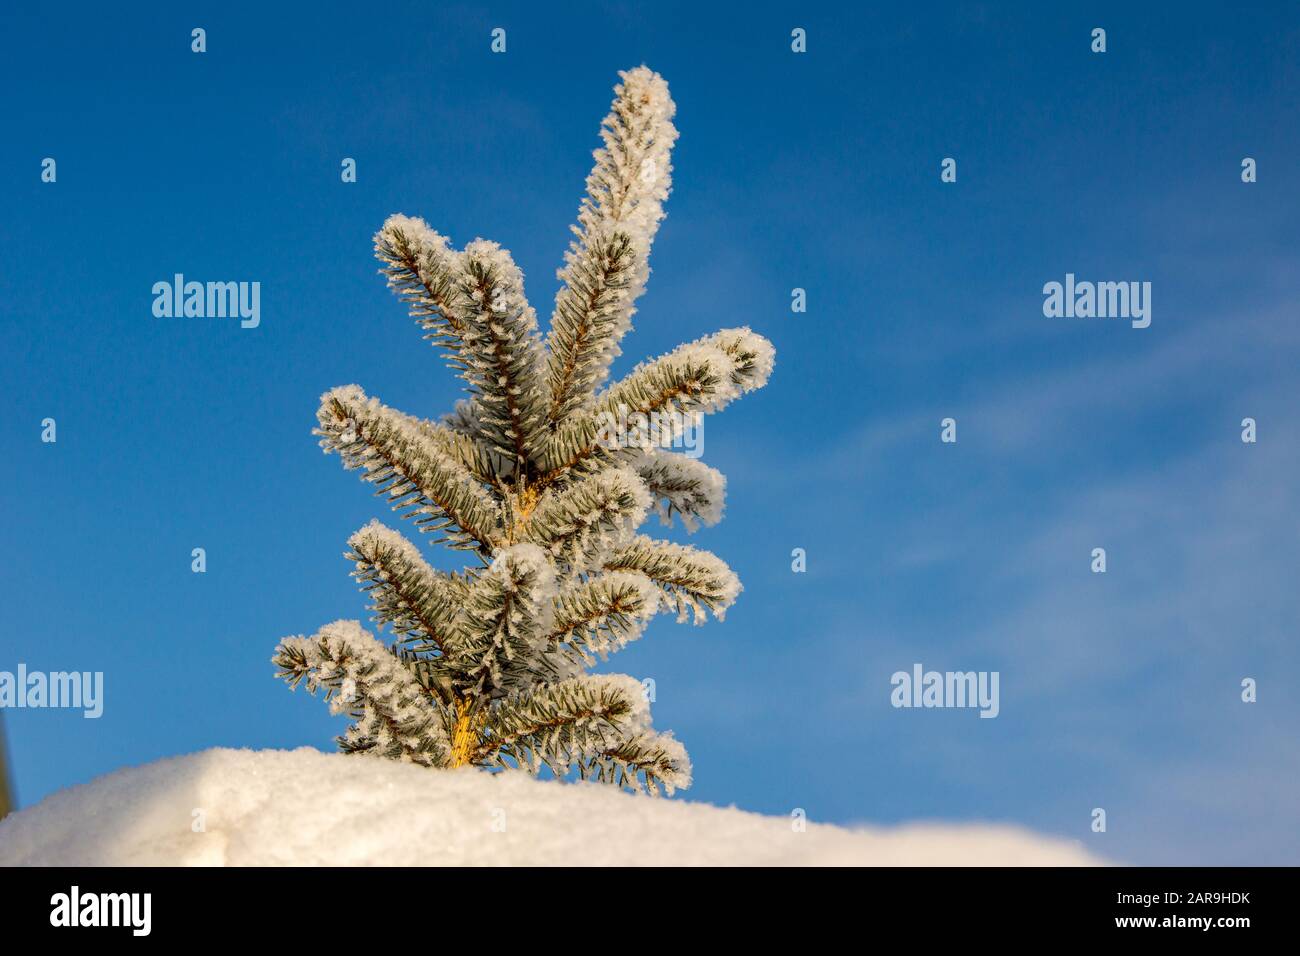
(304, 807)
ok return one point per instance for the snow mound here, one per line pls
(304, 807)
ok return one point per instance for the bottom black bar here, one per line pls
(345, 905)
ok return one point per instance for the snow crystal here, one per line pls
(376, 534)
(754, 354)
(645, 170)
(685, 486)
(417, 233)
(638, 721)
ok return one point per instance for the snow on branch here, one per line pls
(487, 465)
(554, 723)
(505, 620)
(597, 724)
(696, 378)
(607, 264)
(417, 602)
(683, 486)
(691, 579)
(752, 356)
(578, 525)
(364, 679)
(501, 349)
(648, 760)
(408, 468)
(603, 613)
(472, 305)
(421, 268)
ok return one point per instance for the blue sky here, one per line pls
(818, 171)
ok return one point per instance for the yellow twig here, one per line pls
(462, 739)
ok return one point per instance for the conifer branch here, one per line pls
(563, 717)
(598, 725)
(417, 478)
(393, 712)
(602, 614)
(501, 350)
(692, 580)
(752, 357)
(472, 305)
(683, 486)
(696, 378)
(684, 381)
(504, 623)
(659, 759)
(486, 465)
(607, 264)
(421, 268)
(584, 520)
(418, 603)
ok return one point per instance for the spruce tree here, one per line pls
(489, 666)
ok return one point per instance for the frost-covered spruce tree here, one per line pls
(489, 665)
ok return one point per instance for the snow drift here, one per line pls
(304, 807)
